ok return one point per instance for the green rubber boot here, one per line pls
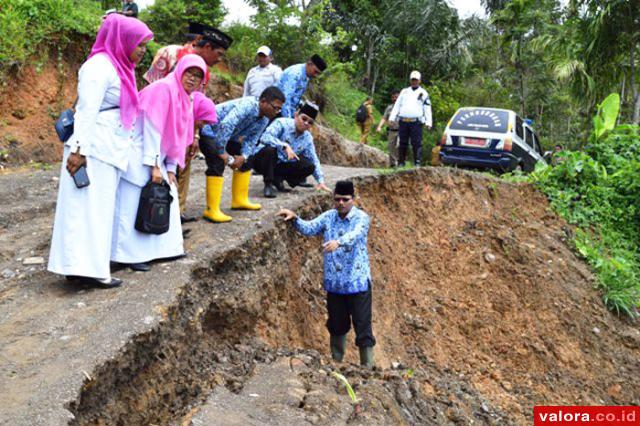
(338, 345)
(366, 356)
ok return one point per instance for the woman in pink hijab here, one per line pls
(204, 112)
(97, 153)
(164, 130)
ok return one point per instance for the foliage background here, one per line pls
(548, 60)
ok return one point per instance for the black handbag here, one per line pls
(154, 208)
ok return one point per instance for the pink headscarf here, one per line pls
(117, 38)
(168, 106)
(204, 109)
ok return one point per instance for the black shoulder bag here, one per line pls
(154, 208)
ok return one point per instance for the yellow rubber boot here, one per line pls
(214, 194)
(240, 192)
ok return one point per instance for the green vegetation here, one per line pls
(342, 100)
(599, 191)
(31, 27)
(347, 385)
(169, 19)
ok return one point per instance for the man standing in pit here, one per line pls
(392, 130)
(232, 142)
(347, 274)
(263, 75)
(412, 110)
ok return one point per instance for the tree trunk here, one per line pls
(634, 86)
(375, 80)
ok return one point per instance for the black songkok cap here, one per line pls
(310, 109)
(319, 62)
(344, 187)
(211, 34)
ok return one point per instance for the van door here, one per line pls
(517, 147)
(530, 160)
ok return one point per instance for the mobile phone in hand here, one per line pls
(80, 177)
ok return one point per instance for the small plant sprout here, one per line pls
(345, 382)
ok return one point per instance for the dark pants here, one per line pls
(215, 164)
(411, 131)
(294, 173)
(347, 308)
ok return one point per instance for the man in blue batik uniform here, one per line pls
(295, 154)
(294, 81)
(232, 142)
(347, 275)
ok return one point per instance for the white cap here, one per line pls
(415, 75)
(264, 50)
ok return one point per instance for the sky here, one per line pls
(240, 11)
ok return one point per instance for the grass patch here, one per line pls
(599, 191)
(26, 26)
(342, 101)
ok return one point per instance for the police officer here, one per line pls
(412, 110)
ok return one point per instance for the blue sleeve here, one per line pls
(312, 227)
(317, 172)
(287, 85)
(271, 136)
(360, 230)
(221, 133)
(251, 138)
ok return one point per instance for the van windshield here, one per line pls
(481, 120)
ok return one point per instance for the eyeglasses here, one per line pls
(194, 75)
(342, 199)
(275, 107)
(307, 120)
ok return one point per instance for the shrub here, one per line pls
(599, 191)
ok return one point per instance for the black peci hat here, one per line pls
(211, 34)
(319, 62)
(344, 187)
(310, 109)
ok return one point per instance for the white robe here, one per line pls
(130, 245)
(81, 242)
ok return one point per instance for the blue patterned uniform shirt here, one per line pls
(346, 270)
(283, 131)
(236, 118)
(293, 84)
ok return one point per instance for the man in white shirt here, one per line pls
(263, 75)
(412, 110)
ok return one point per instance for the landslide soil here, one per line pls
(474, 279)
(481, 312)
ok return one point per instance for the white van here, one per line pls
(490, 138)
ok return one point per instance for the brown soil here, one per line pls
(29, 104)
(478, 301)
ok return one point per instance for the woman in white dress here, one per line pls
(164, 130)
(106, 110)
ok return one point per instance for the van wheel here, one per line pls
(519, 168)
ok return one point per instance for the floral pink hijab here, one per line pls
(117, 38)
(204, 109)
(170, 109)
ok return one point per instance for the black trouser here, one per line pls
(215, 164)
(346, 308)
(295, 172)
(264, 163)
(411, 131)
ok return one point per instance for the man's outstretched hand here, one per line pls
(330, 246)
(286, 214)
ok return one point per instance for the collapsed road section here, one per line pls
(480, 307)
